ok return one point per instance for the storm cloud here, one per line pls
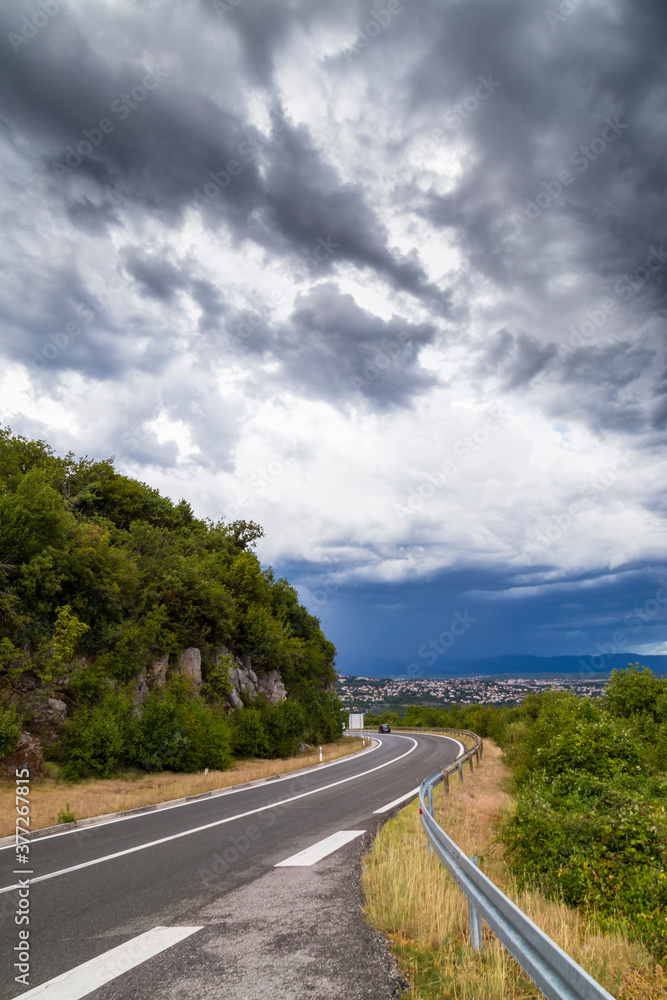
(410, 257)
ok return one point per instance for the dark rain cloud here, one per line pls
(559, 125)
(332, 349)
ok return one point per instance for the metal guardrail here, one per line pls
(551, 969)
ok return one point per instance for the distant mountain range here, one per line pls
(586, 666)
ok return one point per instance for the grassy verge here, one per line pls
(411, 899)
(97, 797)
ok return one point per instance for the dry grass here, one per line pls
(411, 898)
(97, 797)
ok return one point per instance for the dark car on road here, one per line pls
(384, 727)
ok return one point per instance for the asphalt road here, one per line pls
(208, 867)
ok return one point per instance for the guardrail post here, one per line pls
(475, 921)
(429, 809)
(445, 775)
(470, 762)
(460, 770)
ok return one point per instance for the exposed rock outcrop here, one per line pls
(156, 675)
(141, 689)
(243, 680)
(27, 753)
(37, 703)
(55, 711)
(189, 663)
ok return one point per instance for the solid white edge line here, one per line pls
(311, 855)
(397, 802)
(209, 826)
(441, 736)
(95, 821)
(415, 791)
(83, 979)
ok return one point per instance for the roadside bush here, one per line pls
(207, 736)
(181, 733)
(284, 725)
(96, 739)
(10, 730)
(324, 716)
(247, 733)
(161, 743)
(590, 824)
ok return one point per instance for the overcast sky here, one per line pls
(389, 279)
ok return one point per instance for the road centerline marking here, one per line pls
(159, 807)
(316, 852)
(210, 826)
(83, 979)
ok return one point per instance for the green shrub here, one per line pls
(97, 738)
(10, 730)
(590, 824)
(634, 691)
(66, 815)
(284, 727)
(247, 733)
(181, 733)
(207, 735)
(161, 743)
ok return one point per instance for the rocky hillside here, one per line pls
(121, 612)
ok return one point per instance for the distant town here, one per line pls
(378, 694)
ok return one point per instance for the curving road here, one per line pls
(181, 892)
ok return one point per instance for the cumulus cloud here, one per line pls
(345, 247)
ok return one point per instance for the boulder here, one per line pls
(189, 663)
(233, 699)
(141, 690)
(244, 680)
(27, 753)
(267, 682)
(23, 683)
(156, 675)
(279, 693)
(56, 710)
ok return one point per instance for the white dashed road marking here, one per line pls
(311, 855)
(220, 822)
(83, 979)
